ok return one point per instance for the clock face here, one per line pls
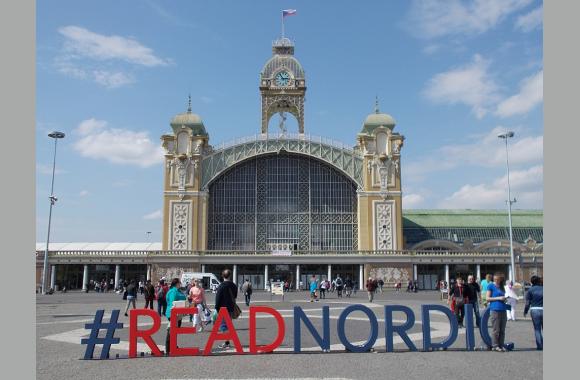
(282, 79)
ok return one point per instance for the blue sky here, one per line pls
(111, 74)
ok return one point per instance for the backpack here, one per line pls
(160, 293)
(338, 282)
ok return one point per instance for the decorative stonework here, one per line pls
(180, 226)
(170, 272)
(391, 275)
(182, 165)
(384, 225)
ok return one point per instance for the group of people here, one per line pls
(325, 286)
(500, 297)
(100, 286)
(192, 293)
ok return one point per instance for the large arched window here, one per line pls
(286, 199)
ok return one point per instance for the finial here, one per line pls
(189, 104)
(376, 104)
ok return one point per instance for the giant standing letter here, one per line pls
(390, 329)
(323, 342)
(427, 344)
(254, 348)
(135, 333)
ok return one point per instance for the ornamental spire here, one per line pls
(189, 104)
(376, 104)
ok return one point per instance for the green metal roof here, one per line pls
(472, 218)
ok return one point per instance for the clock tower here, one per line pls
(282, 85)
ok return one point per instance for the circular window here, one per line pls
(180, 241)
(180, 226)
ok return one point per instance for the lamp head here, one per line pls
(56, 135)
(506, 135)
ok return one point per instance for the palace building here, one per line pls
(282, 206)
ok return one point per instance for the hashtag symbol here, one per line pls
(109, 338)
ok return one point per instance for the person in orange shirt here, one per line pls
(197, 296)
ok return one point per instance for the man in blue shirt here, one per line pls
(496, 298)
(535, 305)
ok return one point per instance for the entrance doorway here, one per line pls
(427, 281)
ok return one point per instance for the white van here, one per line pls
(208, 280)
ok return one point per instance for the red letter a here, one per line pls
(231, 334)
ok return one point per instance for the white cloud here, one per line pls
(526, 186)
(439, 18)
(112, 79)
(471, 85)
(103, 59)
(530, 95)
(412, 201)
(484, 151)
(84, 193)
(530, 21)
(89, 126)
(118, 146)
(157, 214)
(83, 42)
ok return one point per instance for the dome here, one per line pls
(377, 119)
(282, 58)
(188, 120)
(278, 62)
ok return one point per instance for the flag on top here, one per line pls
(288, 12)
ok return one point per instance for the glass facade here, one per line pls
(286, 199)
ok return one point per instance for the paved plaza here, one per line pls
(60, 320)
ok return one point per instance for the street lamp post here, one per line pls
(55, 135)
(507, 135)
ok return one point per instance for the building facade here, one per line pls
(286, 206)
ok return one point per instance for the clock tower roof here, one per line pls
(282, 58)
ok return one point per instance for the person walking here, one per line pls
(226, 295)
(162, 290)
(323, 289)
(457, 299)
(348, 287)
(371, 288)
(131, 296)
(173, 294)
(512, 300)
(474, 297)
(197, 297)
(535, 305)
(339, 286)
(496, 300)
(149, 292)
(381, 283)
(247, 291)
(484, 284)
(313, 288)
(141, 287)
